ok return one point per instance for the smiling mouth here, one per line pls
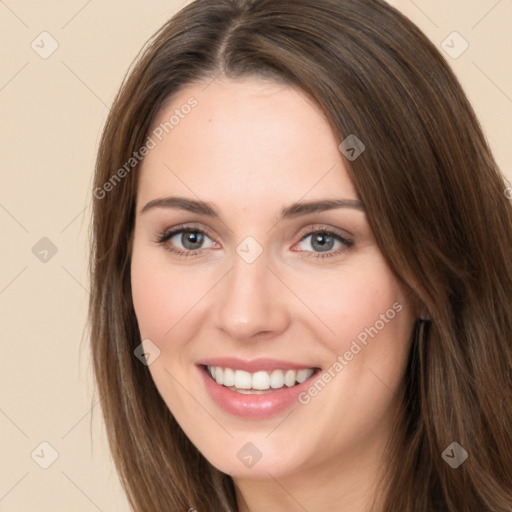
(259, 382)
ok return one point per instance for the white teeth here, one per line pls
(229, 377)
(303, 375)
(277, 379)
(243, 380)
(289, 378)
(260, 380)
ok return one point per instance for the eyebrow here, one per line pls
(292, 211)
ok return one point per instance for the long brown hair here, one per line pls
(434, 198)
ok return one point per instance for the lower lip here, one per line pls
(253, 406)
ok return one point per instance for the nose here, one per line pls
(252, 302)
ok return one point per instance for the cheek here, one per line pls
(360, 302)
(372, 318)
(164, 306)
(162, 295)
(152, 299)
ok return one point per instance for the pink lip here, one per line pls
(253, 406)
(253, 365)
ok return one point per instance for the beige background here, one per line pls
(52, 112)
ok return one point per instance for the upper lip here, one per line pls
(253, 365)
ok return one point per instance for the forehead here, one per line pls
(246, 140)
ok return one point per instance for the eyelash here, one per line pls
(164, 236)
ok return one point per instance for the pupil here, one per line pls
(324, 242)
(191, 238)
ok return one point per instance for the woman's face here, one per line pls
(253, 260)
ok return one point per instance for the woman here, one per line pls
(301, 282)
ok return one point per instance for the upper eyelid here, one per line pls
(185, 227)
(322, 228)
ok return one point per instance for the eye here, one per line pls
(191, 241)
(323, 241)
(185, 241)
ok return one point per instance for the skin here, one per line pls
(252, 147)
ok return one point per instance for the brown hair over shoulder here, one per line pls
(434, 198)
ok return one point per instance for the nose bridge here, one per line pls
(250, 302)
